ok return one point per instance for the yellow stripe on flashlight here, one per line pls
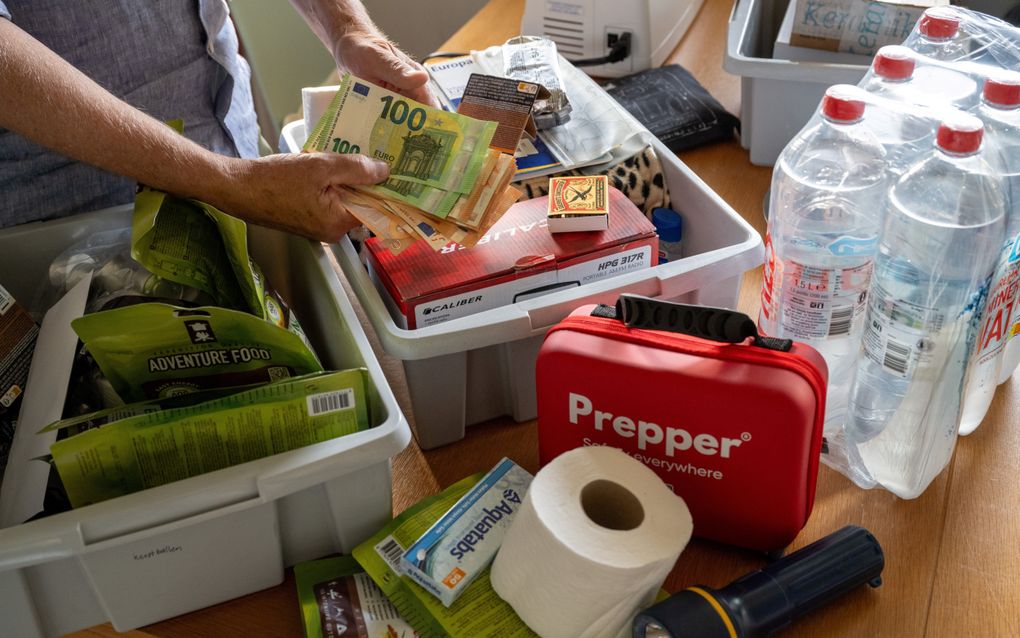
(718, 609)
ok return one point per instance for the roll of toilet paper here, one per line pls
(595, 538)
(314, 101)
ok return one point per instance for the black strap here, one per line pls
(773, 343)
(715, 324)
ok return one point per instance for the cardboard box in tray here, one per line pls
(856, 26)
(168, 550)
(518, 259)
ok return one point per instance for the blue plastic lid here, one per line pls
(668, 224)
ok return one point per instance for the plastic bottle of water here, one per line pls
(943, 228)
(1000, 111)
(939, 36)
(901, 133)
(950, 33)
(826, 201)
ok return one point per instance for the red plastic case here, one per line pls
(733, 428)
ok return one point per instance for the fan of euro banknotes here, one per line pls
(445, 185)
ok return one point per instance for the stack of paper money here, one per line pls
(445, 183)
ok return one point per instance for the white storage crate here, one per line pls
(169, 550)
(482, 366)
(777, 97)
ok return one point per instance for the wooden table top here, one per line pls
(952, 555)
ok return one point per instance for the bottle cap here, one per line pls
(961, 135)
(668, 224)
(1003, 90)
(894, 63)
(841, 106)
(939, 23)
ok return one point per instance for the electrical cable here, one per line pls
(617, 53)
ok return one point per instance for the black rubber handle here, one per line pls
(714, 324)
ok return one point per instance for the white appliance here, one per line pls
(584, 29)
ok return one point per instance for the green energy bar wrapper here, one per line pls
(156, 350)
(160, 447)
(339, 600)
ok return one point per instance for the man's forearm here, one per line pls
(47, 100)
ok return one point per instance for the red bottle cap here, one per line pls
(894, 63)
(840, 106)
(939, 24)
(1003, 90)
(961, 135)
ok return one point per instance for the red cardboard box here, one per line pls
(518, 259)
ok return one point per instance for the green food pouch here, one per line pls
(195, 244)
(155, 448)
(339, 600)
(79, 424)
(178, 240)
(157, 350)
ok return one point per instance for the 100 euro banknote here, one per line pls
(434, 156)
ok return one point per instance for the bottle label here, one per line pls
(898, 332)
(1013, 322)
(999, 310)
(768, 281)
(823, 302)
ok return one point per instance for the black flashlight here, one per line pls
(765, 601)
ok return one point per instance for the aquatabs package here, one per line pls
(464, 541)
(730, 421)
(518, 259)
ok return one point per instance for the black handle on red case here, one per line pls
(714, 324)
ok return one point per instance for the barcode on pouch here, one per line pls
(390, 551)
(327, 402)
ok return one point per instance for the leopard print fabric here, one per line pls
(639, 177)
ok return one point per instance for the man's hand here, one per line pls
(374, 58)
(356, 43)
(297, 193)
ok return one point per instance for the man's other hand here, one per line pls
(374, 58)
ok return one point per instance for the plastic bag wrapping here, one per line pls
(116, 279)
(107, 255)
(534, 59)
(906, 132)
(915, 440)
(598, 125)
(980, 38)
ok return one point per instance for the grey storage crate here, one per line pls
(777, 97)
(169, 550)
(482, 366)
